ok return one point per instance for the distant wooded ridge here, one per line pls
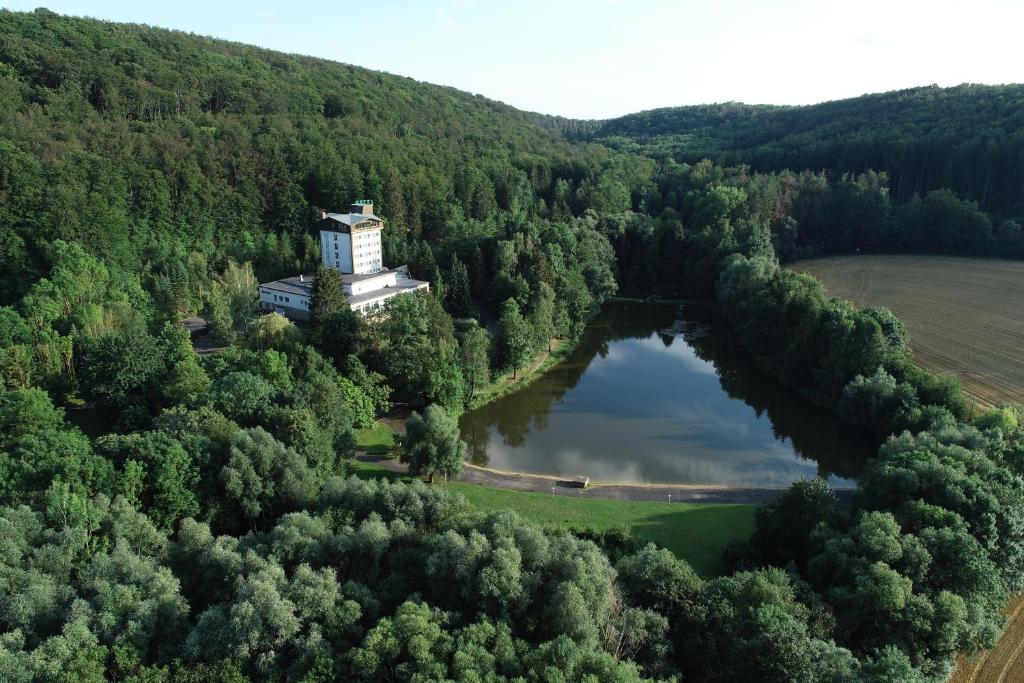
(968, 138)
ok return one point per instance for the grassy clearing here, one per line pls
(963, 316)
(504, 384)
(697, 533)
(377, 440)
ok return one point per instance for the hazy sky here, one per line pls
(601, 58)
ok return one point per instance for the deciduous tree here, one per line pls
(432, 445)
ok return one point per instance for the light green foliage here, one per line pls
(542, 318)
(654, 578)
(218, 314)
(372, 384)
(167, 478)
(242, 396)
(274, 331)
(241, 288)
(414, 644)
(135, 163)
(414, 347)
(187, 383)
(301, 429)
(432, 444)
(475, 357)
(252, 627)
(879, 403)
(37, 445)
(264, 478)
(1005, 418)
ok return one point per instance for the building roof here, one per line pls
(403, 285)
(351, 219)
(303, 284)
(350, 278)
(298, 284)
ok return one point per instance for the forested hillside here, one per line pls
(969, 139)
(145, 145)
(198, 522)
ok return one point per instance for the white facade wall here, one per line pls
(366, 251)
(271, 300)
(373, 305)
(336, 250)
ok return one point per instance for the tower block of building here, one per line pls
(351, 244)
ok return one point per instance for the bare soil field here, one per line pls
(964, 316)
(1002, 663)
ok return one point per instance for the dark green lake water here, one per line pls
(658, 395)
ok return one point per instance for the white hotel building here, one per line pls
(350, 243)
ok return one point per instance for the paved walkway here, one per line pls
(685, 493)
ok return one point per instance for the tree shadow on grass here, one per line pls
(383, 450)
(699, 535)
(365, 471)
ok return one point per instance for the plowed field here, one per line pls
(965, 317)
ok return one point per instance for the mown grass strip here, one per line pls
(696, 532)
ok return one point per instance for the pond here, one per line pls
(657, 393)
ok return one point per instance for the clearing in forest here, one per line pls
(964, 316)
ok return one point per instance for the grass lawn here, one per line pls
(695, 532)
(698, 533)
(377, 440)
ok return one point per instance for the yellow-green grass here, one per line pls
(377, 440)
(696, 532)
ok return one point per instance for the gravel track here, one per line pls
(677, 493)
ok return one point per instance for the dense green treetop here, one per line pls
(198, 525)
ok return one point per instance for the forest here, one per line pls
(174, 517)
(965, 138)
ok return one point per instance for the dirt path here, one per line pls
(685, 493)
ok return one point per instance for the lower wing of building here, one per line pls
(292, 297)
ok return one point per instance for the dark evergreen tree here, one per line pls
(458, 298)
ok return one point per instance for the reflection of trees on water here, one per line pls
(812, 432)
(515, 415)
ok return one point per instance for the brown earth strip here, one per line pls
(1002, 663)
(964, 316)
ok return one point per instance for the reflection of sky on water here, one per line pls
(644, 412)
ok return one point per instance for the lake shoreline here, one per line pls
(672, 410)
(673, 493)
